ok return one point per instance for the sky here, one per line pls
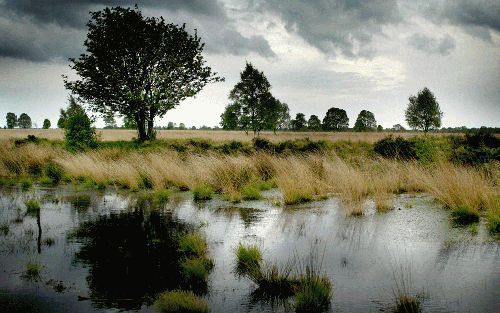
(317, 54)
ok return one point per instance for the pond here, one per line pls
(104, 251)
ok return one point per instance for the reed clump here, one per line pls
(195, 262)
(180, 301)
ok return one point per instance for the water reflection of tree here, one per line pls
(131, 256)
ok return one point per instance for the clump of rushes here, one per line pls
(180, 301)
(407, 304)
(314, 294)
(248, 258)
(297, 196)
(26, 183)
(203, 192)
(55, 172)
(251, 193)
(193, 245)
(196, 270)
(405, 298)
(32, 271)
(161, 197)
(274, 280)
(383, 202)
(464, 215)
(32, 206)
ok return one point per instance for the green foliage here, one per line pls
(122, 41)
(397, 148)
(26, 183)
(299, 123)
(11, 120)
(46, 124)
(193, 245)
(248, 259)
(32, 271)
(230, 118)
(314, 294)
(196, 270)
(335, 119)
(475, 148)
(24, 121)
(251, 193)
(161, 197)
(423, 111)
(180, 302)
(129, 123)
(493, 221)
(380, 128)
(465, 215)
(54, 171)
(314, 123)
(203, 192)
(32, 206)
(79, 133)
(365, 122)
(262, 144)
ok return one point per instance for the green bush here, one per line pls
(180, 302)
(79, 132)
(203, 192)
(476, 148)
(54, 171)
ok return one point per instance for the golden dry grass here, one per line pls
(300, 178)
(216, 136)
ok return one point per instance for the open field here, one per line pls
(216, 136)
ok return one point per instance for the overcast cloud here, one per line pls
(317, 54)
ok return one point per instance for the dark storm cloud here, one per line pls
(431, 45)
(41, 30)
(479, 17)
(344, 26)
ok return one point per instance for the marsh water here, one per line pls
(105, 251)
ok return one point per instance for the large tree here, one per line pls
(11, 120)
(314, 123)
(137, 66)
(24, 121)
(365, 122)
(335, 119)
(423, 111)
(253, 102)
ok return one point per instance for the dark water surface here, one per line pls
(107, 252)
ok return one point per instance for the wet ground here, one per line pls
(108, 252)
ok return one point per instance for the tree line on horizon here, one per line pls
(140, 67)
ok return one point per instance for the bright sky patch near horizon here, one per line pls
(319, 54)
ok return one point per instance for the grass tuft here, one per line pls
(161, 197)
(32, 206)
(196, 270)
(251, 193)
(32, 271)
(203, 192)
(248, 258)
(180, 302)
(193, 245)
(314, 294)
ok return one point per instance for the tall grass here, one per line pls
(180, 301)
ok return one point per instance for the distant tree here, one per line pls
(380, 128)
(314, 123)
(140, 67)
(299, 123)
(423, 111)
(253, 102)
(170, 125)
(129, 123)
(398, 127)
(24, 121)
(284, 117)
(365, 122)
(46, 124)
(79, 132)
(278, 116)
(335, 119)
(109, 121)
(182, 126)
(11, 120)
(193, 127)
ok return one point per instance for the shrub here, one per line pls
(193, 245)
(54, 171)
(476, 148)
(262, 144)
(203, 192)
(248, 258)
(231, 147)
(180, 302)
(79, 132)
(396, 148)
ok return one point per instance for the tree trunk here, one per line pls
(141, 128)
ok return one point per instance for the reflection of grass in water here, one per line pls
(32, 271)
(247, 215)
(79, 201)
(196, 270)
(180, 302)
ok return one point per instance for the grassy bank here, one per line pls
(303, 170)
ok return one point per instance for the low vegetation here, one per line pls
(32, 271)
(195, 262)
(180, 301)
